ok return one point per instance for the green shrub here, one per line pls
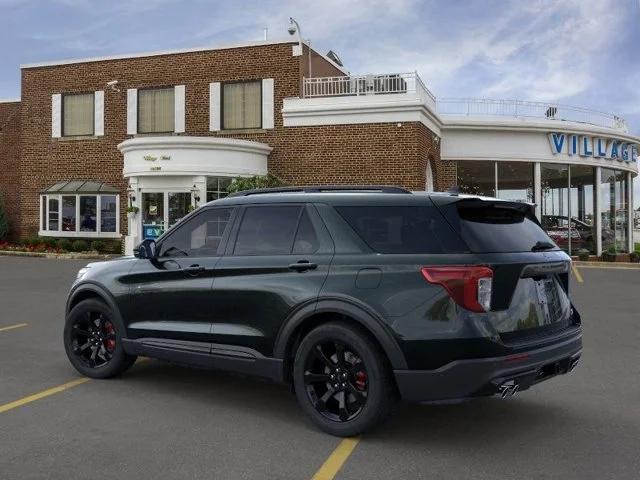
(239, 184)
(47, 241)
(99, 246)
(583, 254)
(79, 246)
(4, 220)
(31, 241)
(113, 247)
(635, 256)
(64, 244)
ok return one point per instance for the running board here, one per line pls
(210, 356)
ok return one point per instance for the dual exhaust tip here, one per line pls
(508, 389)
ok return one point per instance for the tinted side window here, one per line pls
(267, 230)
(306, 238)
(403, 229)
(199, 236)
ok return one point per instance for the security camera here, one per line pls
(291, 29)
(112, 85)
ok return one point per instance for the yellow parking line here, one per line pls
(11, 327)
(577, 273)
(334, 463)
(45, 393)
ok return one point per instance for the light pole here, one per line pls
(294, 27)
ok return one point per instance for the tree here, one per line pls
(4, 220)
(258, 181)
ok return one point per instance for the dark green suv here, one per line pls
(355, 296)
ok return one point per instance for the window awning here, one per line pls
(80, 187)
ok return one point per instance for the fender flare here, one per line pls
(96, 290)
(348, 307)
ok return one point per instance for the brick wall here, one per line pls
(9, 161)
(369, 153)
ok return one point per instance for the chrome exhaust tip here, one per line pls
(508, 389)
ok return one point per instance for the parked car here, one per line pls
(355, 296)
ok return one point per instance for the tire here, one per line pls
(343, 413)
(90, 327)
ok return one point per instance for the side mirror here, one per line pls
(146, 250)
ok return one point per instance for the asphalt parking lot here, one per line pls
(162, 421)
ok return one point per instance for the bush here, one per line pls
(64, 244)
(610, 254)
(583, 254)
(4, 221)
(635, 256)
(31, 241)
(79, 246)
(99, 246)
(239, 184)
(47, 241)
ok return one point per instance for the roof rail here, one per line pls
(323, 188)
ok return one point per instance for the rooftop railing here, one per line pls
(411, 83)
(523, 109)
(358, 85)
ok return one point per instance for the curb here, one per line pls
(60, 256)
(613, 265)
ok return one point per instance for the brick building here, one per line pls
(167, 131)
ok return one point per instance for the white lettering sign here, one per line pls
(592, 146)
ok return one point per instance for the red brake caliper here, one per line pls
(361, 380)
(110, 343)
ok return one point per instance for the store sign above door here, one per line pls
(588, 146)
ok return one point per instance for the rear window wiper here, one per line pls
(542, 246)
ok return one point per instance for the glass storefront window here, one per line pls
(477, 177)
(69, 214)
(217, 187)
(614, 210)
(88, 214)
(54, 214)
(582, 201)
(108, 213)
(74, 215)
(554, 181)
(179, 206)
(515, 181)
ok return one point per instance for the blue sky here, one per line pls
(581, 52)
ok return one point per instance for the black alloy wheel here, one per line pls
(336, 380)
(342, 379)
(93, 340)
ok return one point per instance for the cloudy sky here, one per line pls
(582, 52)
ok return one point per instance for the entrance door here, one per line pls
(179, 205)
(153, 222)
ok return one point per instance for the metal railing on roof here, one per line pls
(479, 107)
(357, 85)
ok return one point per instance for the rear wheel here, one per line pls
(93, 340)
(342, 381)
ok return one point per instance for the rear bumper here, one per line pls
(483, 376)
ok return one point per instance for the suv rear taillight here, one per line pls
(468, 286)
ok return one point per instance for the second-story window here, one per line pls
(156, 110)
(241, 105)
(77, 114)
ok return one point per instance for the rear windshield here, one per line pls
(403, 229)
(497, 227)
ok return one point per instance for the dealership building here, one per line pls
(161, 133)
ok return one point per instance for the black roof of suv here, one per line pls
(350, 294)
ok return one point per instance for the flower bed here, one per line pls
(61, 246)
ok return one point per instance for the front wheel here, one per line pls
(93, 340)
(342, 381)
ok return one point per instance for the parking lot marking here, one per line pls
(334, 463)
(45, 393)
(11, 327)
(577, 273)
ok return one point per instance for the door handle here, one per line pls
(303, 265)
(194, 270)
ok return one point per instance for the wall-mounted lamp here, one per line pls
(196, 194)
(132, 194)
